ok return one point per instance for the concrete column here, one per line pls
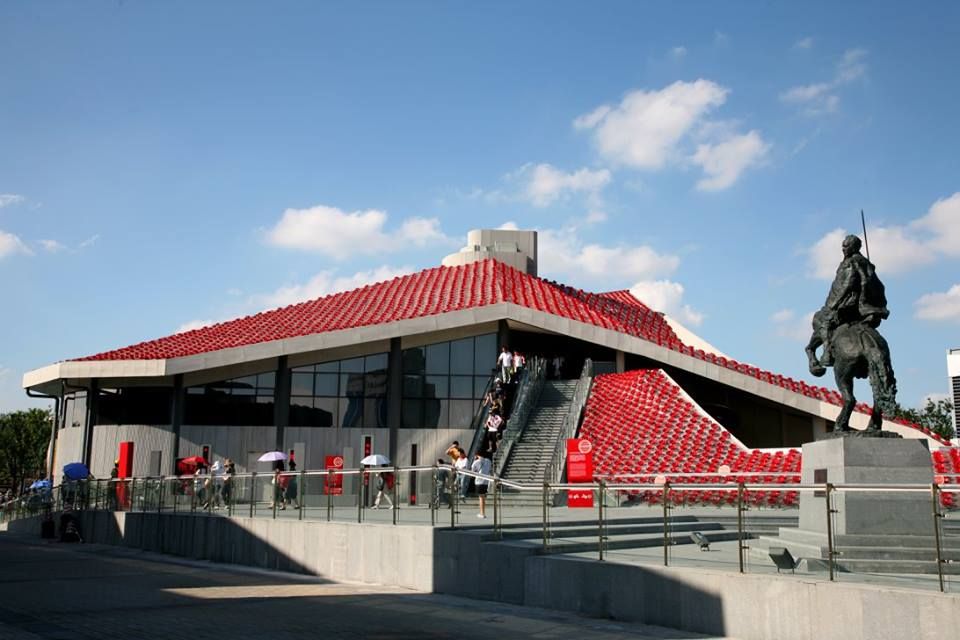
(503, 336)
(176, 419)
(93, 397)
(394, 395)
(621, 361)
(281, 400)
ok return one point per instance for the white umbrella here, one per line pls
(376, 460)
(272, 456)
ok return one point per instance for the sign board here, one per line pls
(579, 469)
(334, 485)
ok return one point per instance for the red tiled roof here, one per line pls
(442, 290)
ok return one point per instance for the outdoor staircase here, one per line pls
(531, 453)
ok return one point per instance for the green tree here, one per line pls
(24, 437)
(935, 415)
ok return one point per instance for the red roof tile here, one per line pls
(442, 290)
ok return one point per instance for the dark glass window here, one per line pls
(457, 370)
(135, 405)
(350, 393)
(244, 402)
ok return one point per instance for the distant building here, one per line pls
(953, 371)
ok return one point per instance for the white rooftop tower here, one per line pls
(513, 247)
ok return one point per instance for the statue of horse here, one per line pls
(859, 351)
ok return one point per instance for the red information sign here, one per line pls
(334, 485)
(579, 469)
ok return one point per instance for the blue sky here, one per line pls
(168, 164)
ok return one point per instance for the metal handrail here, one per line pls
(528, 394)
(571, 422)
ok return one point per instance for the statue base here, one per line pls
(857, 433)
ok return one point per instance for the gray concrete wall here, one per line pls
(68, 448)
(145, 438)
(749, 607)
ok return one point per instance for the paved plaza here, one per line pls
(82, 592)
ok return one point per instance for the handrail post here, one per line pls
(935, 499)
(602, 537)
(253, 493)
(546, 517)
(435, 494)
(396, 493)
(666, 526)
(300, 504)
(496, 508)
(330, 483)
(830, 512)
(133, 495)
(740, 545)
(454, 508)
(360, 478)
(160, 496)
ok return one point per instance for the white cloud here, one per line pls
(547, 183)
(942, 307)
(652, 129)
(803, 43)
(644, 129)
(510, 225)
(341, 234)
(195, 324)
(11, 244)
(596, 216)
(788, 325)
(52, 246)
(563, 254)
(820, 98)
(678, 52)
(724, 161)
(666, 296)
(325, 283)
(898, 248)
(10, 199)
(89, 242)
(943, 222)
(934, 397)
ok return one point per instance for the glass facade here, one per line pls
(350, 393)
(443, 382)
(243, 402)
(135, 405)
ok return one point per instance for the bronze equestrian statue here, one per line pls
(846, 328)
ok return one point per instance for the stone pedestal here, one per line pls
(867, 461)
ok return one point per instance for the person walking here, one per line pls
(226, 489)
(463, 480)
(385, 482)
(505, 362)
(290, 491)
(484, 467)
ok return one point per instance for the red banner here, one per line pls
(579, 469)
(334, 485)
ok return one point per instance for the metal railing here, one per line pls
(311, 494)
(571, 422)
(528, 394)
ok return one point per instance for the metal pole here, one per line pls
(830, 512)
(300, 506)
(330, 483)
(435, 496)
(360, 479)
(602, 538)
(133, 495)
(396, 499)
(666, 525)
(253, 492)
(935, 499)
(496, 508)
(740, 546)
(160, 496)
(546, 525)
(454, 508)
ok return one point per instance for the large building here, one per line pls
(953, 372)
(398, 367)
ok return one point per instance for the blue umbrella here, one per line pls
(76, 471)
(40, 484)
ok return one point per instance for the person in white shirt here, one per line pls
(463, 482)
(505, 362)
(482, 466)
